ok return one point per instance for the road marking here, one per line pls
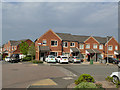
(44, 82)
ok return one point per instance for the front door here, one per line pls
(42, 56)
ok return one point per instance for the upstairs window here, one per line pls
(53, 43)
(116, 47)
(110, 48)
(87, 46)
(101, 46)
(95, 46)
(65, 44)
(12, 48)
(44, 42)
(72, 44)
(81, 46)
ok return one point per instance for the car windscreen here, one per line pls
(51, 56)
(7, 57)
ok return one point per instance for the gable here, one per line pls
(91, 40)
(112, 41)
(49, 34)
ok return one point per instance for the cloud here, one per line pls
(30, 20)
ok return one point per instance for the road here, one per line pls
(99, 72)
(21, 75)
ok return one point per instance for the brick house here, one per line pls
(12, 47)
(75, 45)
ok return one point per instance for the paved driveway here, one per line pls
(99, 72)
(22, 75)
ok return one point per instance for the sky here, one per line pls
(29, 20)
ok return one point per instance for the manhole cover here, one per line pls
(67, 78)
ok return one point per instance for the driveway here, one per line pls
(19, 75)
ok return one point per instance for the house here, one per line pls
(13, 47)
(89, 47)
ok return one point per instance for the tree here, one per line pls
(24, 48)
(32, 50)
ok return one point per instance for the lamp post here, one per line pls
(107, 51)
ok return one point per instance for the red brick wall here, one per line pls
(112, 42)
(48, 36)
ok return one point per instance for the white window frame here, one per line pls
(95, 46)
(110, 49)
(116, 47)
(73, 44)
(12, 48)
(54, 43)
(44, 43)
(87, 47)
(64, 44)
(81, 46)
(101, 46)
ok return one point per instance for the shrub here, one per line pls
(86, 85)
(37, 62)
(26, 59)
(84, 78)
(110, 79)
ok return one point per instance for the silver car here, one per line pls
(74, 59)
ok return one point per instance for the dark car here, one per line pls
(112, 60)
(15, 58)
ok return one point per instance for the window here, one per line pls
(12, 47)
(100, 46)
(53, 53)
(110, 48)
(81, 46)
(15, 47)
(65, 44)
(87, 45)
(116, 47)
(44, 42)
(72, 44)
(53, 43)
(95, 46)
(9, 48)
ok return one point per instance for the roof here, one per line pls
(96, 51)
(15, 43)
(74, 49)
(81, 38)
(44, 48)
(118, 51)
(90, 51)
(102, 40)
(66, 36)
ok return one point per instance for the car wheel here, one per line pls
(115, 79)
(73, 61)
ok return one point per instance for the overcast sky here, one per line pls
(31, 20)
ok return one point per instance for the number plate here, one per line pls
(51, 59)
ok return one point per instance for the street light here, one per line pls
(107, 51)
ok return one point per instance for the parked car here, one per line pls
(112, 60)
(119, 64)
(62, 59)
(116, 77)
(50, 58)
(7, 59)
(14, 58)
(74, 59)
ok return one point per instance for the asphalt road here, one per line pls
(99, 72)
(17, 75)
